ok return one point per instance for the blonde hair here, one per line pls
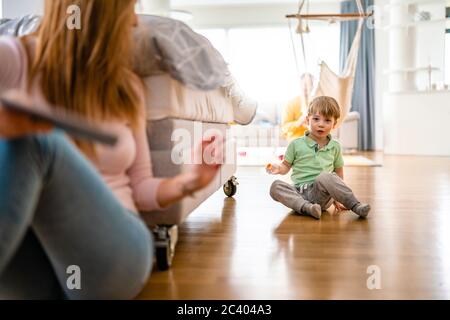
(325, 106)
(87, 71)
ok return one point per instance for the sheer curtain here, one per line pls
(263, 62)
(364, 91)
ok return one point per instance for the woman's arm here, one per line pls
(152, 193)
(12, 62)
(14, 125)
(200, 176)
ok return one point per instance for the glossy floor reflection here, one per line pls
(253, 248)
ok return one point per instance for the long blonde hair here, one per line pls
(87, 71)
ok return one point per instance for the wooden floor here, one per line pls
(250, 247)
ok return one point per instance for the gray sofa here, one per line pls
(165, 223)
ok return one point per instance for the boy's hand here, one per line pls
(273, 169)
(339, 207)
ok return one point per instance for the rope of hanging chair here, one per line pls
(345, 80)
(295, 52)
(360, 7)
(303, 47)
(349, 62)
(300, 7)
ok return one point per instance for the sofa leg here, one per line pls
(166, 238)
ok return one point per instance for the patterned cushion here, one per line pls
(19, 27)
(177, 49)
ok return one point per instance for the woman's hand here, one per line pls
(210, 151)
(209, 156)
(15, 125)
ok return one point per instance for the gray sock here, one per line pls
(361, 209)
(314, 210)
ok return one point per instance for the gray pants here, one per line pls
(326, 188)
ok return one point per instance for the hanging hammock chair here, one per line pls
(331, 84)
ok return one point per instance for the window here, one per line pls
(218, 38)
(263, 61)
(1, 9)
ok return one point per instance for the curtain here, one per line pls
(364, 90)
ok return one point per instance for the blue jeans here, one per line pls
(55, 212)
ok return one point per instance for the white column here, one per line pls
(402, 52)
(447, 50)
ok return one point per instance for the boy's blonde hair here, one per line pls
(325, 106)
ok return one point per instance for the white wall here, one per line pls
(431, 49)
(408, 117)
(15, 8)
(416, 123)
(381, 64)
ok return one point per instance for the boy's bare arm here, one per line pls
(340, 172)
(285, 167)
(282, 168)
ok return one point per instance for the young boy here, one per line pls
(318, 167)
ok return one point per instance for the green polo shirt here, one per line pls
(308, 162)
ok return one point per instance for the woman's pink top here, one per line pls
(126, 168)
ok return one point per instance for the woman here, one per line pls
(71, 203)
(293, 123)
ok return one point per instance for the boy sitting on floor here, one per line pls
(318, 167)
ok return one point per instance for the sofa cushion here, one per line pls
(19, 27)
(186, 55)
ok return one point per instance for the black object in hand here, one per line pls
(73, 124)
